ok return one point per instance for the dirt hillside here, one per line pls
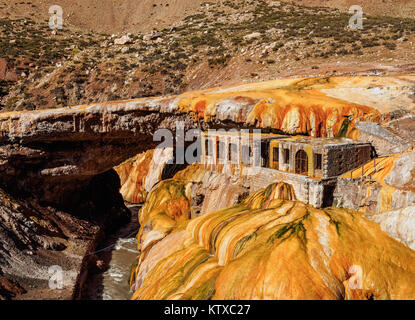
(394, 8)
(196, 45)
(142, 16)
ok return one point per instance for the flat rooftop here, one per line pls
(323, 141)
(244, 134)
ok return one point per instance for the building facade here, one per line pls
(322, 158)
(310, 165)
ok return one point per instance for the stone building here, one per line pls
(237, 148)
(310, 165)
(322, 158)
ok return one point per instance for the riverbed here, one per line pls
(117, 253)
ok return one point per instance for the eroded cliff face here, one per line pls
(270, 247)
(46, 148)
(133, 173)
(35, 237)
(141, 173)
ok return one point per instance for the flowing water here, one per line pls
(117, 253)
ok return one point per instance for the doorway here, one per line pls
(301, 162)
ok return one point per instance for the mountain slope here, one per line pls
(213, 46)
(142, 16)
(400, 8)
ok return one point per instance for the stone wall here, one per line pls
(306, 189)
(336, 158)
(340, 159)
(384, 141)
(253, 179)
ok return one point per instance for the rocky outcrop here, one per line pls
(53, 153)
(271, 248)
(399, 224)
(35, 237)
(210, 190)
(159, 167)
(58, 163)
(133, 173)
(53, 147)
(388, 186)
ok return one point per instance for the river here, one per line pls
(117, 254)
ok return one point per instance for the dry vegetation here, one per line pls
(255, 38)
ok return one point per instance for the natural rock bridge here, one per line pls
(45, 148)
(52, 152)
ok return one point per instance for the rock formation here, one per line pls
(77, 143)
(132, 174)
(58, 185)
(139, 174)
(399, 224)
(387, 186)
(269, 247)
(35, 237)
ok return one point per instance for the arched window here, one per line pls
(301, 162)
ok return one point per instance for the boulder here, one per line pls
(7, 71)
(151, 36)
(402, 175)
(123, 40)
(253, 35)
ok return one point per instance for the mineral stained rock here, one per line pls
(402, 174)
(58, 163)
(269, 247)
(139, 174)
(49, 147)
(132, 174)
